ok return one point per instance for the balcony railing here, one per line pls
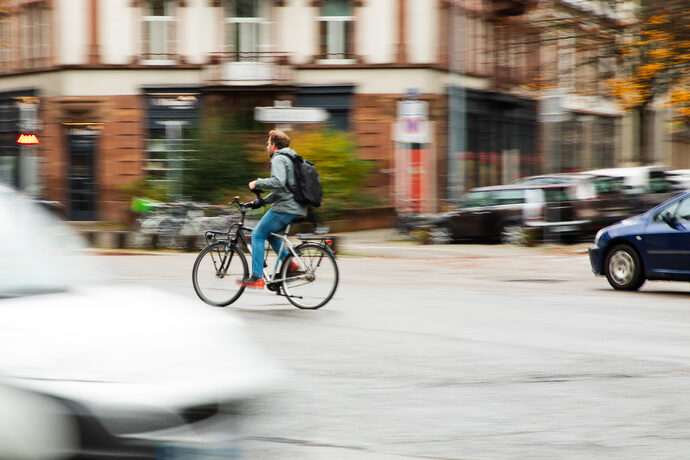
(248, 68)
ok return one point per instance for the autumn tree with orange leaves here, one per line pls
(654, 61)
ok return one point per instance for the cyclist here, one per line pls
(284, 207)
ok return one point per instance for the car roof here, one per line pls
(571, 175)
(517, 187)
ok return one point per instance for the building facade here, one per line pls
(434, 92)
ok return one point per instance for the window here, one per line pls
(680, 210)
(476, 199)
(566, 62)
(336, 29)
(34, 36)
(683, 211)
(245, 28)
(556, 195)
(509, 197)
(169, 145)
(173, 124)
(5, 44)
(159, 31)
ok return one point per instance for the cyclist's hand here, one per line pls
(257, 203)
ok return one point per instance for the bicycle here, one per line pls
(222, 261)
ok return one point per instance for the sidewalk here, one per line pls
(385, 242)
(389, 243)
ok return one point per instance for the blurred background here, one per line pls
(403, 105)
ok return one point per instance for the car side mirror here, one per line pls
(669, 218)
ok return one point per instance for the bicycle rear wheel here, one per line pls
(215, 271)
(314, 284)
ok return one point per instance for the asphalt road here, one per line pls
(463, 352)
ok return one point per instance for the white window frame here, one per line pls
(335, 45)
(169, 39)
(258, 37)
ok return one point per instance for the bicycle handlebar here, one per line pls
(247, 204)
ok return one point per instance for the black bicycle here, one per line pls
(222, 262)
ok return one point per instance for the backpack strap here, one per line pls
(294, 173)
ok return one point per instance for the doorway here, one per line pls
(81, 176)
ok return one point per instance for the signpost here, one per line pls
(412, 153)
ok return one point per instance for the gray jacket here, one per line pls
(281, 180)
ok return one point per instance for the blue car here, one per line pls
(652, 246)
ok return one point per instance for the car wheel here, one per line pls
(512, 233)
(623, 269)
(440, 235)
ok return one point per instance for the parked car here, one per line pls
(680, 178)
(501, 213)
(651, 246)
(645, 186)
(96, 369)
(600, 199)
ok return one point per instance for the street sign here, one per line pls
(413, 124)
(27, 139)
(290, 114)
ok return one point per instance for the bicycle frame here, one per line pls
(239, 235)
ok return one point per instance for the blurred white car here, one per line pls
(90, 369)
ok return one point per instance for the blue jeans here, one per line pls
(271, 222)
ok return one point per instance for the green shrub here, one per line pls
(342, 173)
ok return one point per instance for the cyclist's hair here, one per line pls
(279, 138)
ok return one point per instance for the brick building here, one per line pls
(432, 91)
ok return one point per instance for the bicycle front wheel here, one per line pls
(316, 280)
(216, 270)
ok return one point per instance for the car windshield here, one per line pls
(544, 180)
(39, 252)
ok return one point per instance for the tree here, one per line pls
(655, 58)
(342, 172)
(643, 46)
(220, 167)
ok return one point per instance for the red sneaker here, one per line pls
(294, 266)
(251, 282)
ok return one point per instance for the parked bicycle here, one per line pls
(179, 225)
(223, 261)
